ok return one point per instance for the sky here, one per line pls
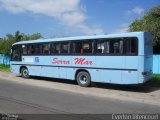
(70, 17)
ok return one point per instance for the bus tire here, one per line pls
(25, 73)
(83, 79)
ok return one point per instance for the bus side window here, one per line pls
(24, 49)
(81, 47)
(55, 48)
(87, 47)
(37, 49)
(34, 49)
(52, 48)
(46, 49)
(30, 50)
(132, 46)
(116, 46)
(100, 47)
(64, 48)
(77, 47)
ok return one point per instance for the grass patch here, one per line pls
(154, 82)
(5, 68)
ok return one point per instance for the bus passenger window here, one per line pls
(55, 48)
(77, 47)
(107, 47)
(134, 46)
(87, 47)
(24, 49)
(34, 49)
(116, 47)
(30, 50)
(64, 48)
(100, 47)
(131, 46)
(46, 49)
(37, 49)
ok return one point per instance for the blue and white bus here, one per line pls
(115, 58)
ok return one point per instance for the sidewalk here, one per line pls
(140, 94)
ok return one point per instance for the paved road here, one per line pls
(18, 98)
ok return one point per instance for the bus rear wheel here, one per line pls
(83, 79)
(25, 73)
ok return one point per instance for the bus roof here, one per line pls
(130, 34)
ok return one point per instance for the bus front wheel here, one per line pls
(83, 79)
(25, 73)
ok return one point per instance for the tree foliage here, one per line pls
(6, 42)
(150, 22)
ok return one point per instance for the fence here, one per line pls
(156, 62)
(4, 59)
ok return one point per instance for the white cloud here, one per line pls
(123, 28)
(92, 30)
(68, 12)
(137, 10)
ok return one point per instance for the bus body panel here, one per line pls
(130, 75)
(141, 69)
(15, 68)
(111, 68)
